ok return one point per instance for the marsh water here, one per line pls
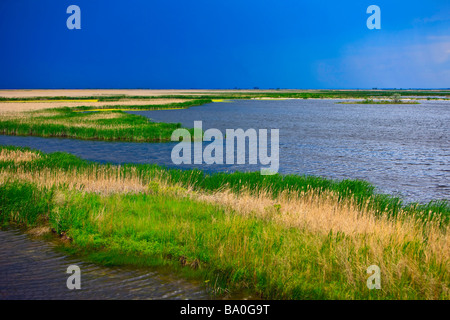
(402, 149)
(33, 269)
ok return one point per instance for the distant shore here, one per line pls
(27, 93)
(99, 114)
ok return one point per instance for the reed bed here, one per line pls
(71, 180)
(361, 192)
(86, 123)
(311, 239)
(17, 156)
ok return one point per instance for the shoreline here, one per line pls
(209, 227)
(50, 117)
(233, 231)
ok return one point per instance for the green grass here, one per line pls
(72, 123)
(179, 234)
(174, 105)
(229, 251)
(79, 123)
(361, 191)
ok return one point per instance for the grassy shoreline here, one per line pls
(111, 123)
(277, 237)
(281, 237)
(86, 123)
(237, 94)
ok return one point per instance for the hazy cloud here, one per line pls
(402, 65)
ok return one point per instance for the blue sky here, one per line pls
(224, 44)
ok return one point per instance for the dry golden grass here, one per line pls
(39, 231)
(45, 116)
(41, 105)
(324, 213)
(104, 115)
(316, 213)
(394, 244)
(87, 124)
(128, 92)
(88, 121)
(26, 116)
(18, 156)
(338, 233)
(319, 214)
(107, 181)
(107, 124)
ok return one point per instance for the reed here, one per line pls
(361, 192)
(282, 255)
(79, 123)
(278, 237)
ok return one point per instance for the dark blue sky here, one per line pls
(224, 44)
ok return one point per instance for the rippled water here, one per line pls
(401, 149)
(33, 269)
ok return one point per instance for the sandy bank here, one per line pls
(129, 92)
(32, 106)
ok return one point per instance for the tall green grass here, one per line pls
(228, 250)
(230, 253)
(361, 191)
(23, 203)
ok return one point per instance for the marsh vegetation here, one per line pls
(280, 236)
(108, 123)
(289, 237)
